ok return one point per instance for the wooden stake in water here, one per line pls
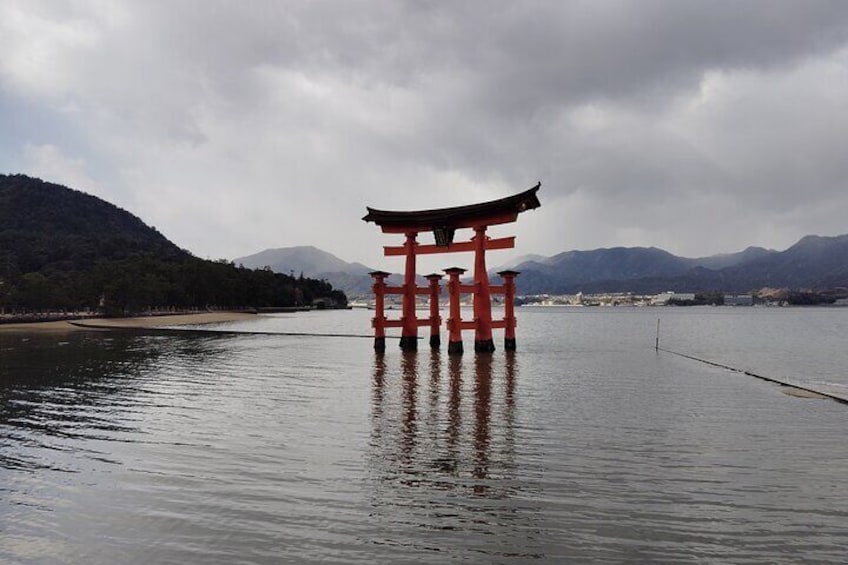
(657, 343)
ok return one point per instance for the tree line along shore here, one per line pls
(63, 251)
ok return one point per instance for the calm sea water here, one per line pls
(584, 446)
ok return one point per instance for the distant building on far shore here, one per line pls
(664, 298)
(738, 300)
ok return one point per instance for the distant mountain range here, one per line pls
(814, 262)
(352, 278)
(304, 259)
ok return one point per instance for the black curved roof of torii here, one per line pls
(458, 216)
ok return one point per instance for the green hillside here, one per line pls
(63, 249)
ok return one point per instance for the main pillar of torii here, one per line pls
(443, 223)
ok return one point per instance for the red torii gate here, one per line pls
(443, 223)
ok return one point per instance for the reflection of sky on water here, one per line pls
(584, 446)
(74, 395)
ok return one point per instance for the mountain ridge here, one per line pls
(350, 277)
(63, 249)
(813, 261)
(306, 258)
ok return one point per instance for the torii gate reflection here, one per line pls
(443, 223)
(422, 433)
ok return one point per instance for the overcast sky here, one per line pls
(232, 127)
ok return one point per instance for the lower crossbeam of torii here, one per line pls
(443, 223)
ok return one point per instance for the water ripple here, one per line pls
(584, 446)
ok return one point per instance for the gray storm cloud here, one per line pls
(701, 127)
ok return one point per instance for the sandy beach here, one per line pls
(124, 323)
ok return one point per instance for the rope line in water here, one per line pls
(830, 395)
(220, 332)
(288, 334)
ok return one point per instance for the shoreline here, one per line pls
(141, 322)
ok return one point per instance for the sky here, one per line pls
(700, 127)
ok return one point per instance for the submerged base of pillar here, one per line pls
(409, 343)
(454, 348)
(509, 344)
(380, 344)
(484, 345)
(435, 341)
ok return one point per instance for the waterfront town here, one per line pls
(764, 297)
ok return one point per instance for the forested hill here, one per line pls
(45, 226)
(61, 248)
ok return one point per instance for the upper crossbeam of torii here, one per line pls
(444, 222)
